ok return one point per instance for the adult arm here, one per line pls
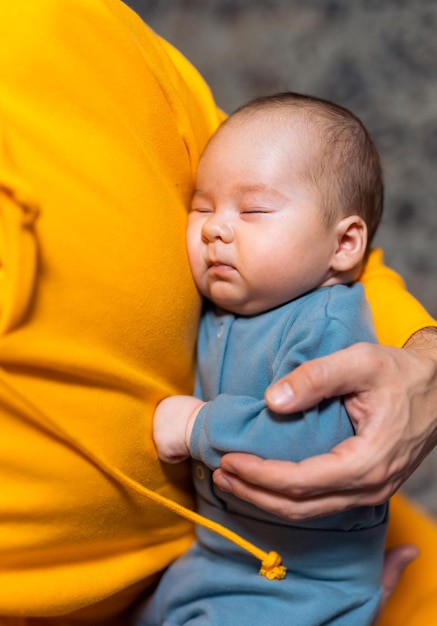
(391, 396)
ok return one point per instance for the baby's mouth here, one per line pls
(220, 266)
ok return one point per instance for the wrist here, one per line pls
(424, 340)
(189, 425)
(423, 344)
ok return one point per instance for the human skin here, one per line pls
(395, 562)
(256, 238)
(394, 413)
(308, 388)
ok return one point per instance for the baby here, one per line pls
(288, 196)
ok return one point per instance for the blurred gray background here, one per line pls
(378, 58)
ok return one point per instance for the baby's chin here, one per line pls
(231, 297)
(245, 309)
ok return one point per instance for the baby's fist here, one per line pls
(172, 427)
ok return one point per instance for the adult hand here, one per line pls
(395, 562)
(391, 398)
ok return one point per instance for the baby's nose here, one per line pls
(215, 228)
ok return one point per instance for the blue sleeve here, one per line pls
(328, 322)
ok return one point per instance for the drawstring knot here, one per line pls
(271, 562)
(272, 568)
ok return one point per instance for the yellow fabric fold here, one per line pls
(102, 124)
(18, 255)
(101, 132)
(414, 602)
(396, 313)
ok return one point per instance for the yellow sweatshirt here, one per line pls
(101, 127)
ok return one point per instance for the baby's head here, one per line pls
(288, 196)
(343, 163)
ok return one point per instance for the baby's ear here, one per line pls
(351, 232)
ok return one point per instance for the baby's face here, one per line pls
(255, 235)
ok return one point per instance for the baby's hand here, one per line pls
(173, 423)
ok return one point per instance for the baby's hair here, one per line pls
(346, 169)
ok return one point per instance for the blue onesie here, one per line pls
(334, 564)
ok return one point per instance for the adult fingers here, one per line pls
(395, 562)
(346, 467)
(271, 485)
(282, 505)
(343, 372)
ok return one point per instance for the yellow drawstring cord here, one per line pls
(271, 562)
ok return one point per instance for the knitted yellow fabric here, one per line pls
(101, 126)
(100, 133)
(397, 315)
